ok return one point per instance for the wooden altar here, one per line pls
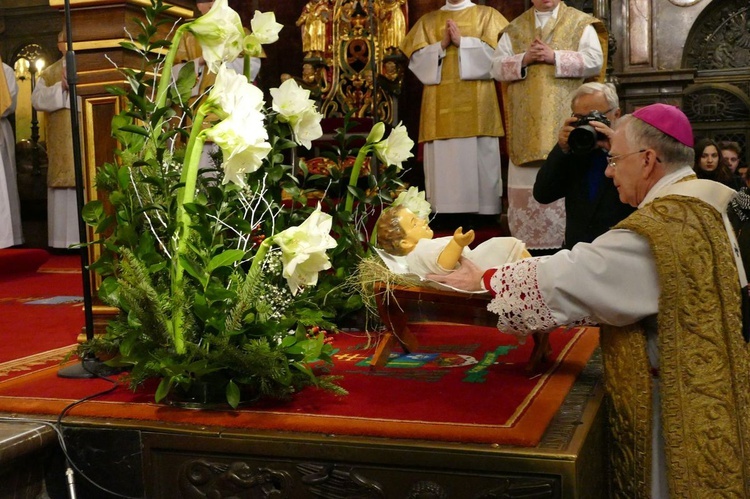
(161, 460)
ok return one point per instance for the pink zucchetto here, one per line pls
(669, 120)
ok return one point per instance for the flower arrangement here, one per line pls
(225, 274)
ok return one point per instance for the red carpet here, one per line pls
(40, 307)
(19, 261)
(466, 384)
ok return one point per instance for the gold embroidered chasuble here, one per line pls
(538, 104)
(457, 108)
(704, 371)
(5, 98)
(61, 165)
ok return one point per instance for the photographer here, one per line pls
(574, 169)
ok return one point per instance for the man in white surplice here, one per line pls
(450, 51)
(11, 232)
(51, 96)
(542, 57)
(665, 284)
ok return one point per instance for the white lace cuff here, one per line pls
(518, 301)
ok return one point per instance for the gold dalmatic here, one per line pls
(537, 105)
(5, 99)
(704, 372)
(450, 109)
(61, 165)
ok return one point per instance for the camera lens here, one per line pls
(582, 139)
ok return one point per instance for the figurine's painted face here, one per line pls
(415, 228)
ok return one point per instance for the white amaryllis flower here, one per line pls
(396, 148)
(290, 100)
(414, 200)
(220, 33)
(264, 27)
(243, 143)
(307, 128)
(303, 250)
(232, 94)
(294, 106)
(251, 46)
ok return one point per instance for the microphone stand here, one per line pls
(90, 366)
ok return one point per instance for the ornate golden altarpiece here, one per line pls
(351, 58)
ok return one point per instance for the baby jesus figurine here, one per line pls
(403, 234)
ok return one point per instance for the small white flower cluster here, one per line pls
(275, 298)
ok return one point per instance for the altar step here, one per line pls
(24, 448)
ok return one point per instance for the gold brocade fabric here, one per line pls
(538, 104)
(457, 108)
(5, 99)
(627, 378)
(704, 371)
(60, 161)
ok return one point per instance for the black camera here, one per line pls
(583, 139)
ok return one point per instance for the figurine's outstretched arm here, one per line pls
(450, 255)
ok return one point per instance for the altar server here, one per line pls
(11, 233)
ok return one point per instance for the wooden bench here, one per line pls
(400, 305)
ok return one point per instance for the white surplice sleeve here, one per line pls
(49, 99)
(10, 78)
(239, 66)
(425, 64)
(507, 66)
(475, 59)
(585, 62)
(611, 281)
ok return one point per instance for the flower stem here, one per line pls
(166, 70)
(164, 81)
(246, 68)
(187, 195)
(354, 176)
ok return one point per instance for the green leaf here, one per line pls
(134, 129)
(227, 258)
(233, 394)
(133, 320)
(194, 271)
(109, 291)
(215, 291)
(186, 79)
(123, 177)
(288, 341)
(165, 385)
(92, 212)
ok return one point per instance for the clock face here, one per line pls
(684, 3)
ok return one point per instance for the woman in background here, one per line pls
(708, 164)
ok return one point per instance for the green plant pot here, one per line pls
(207, 394)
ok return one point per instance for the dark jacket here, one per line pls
(592, 204)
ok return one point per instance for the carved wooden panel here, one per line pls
(207, 473)
(98, 147)
(720, 37)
